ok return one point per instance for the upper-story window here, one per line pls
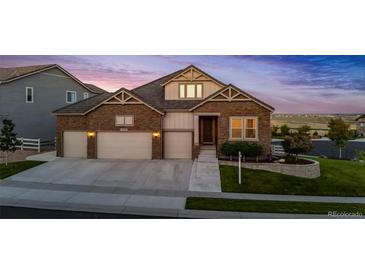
(71, 96)
(86, 95)
(29, 95)
(190, 91)
(124, 120)
(362, 125)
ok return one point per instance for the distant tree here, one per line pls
(315, 134)
(296, 143)
(284, 130)
(274, 130)
(338, 133)
(8, 141)
(304, 130)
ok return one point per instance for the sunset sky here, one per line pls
(292, 84)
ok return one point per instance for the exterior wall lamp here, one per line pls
(91, 134)
(156, 134)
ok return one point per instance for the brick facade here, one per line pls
(227, 109)
(103, 119)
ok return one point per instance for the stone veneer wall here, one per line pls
(103, 119)
(305, 171)
(227, 109)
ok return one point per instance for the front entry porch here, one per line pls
(205, 132)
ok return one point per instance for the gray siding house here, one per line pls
(28, 95)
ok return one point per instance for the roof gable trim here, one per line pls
(123, 97)
(231, 93)
(192, 73)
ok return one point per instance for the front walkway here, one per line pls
(205, 175)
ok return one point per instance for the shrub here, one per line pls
(360, 155)
(247, 149)
(274, 131)
(227, 149)
(284, 130)
(297, 144)
(304, 130)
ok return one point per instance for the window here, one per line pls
(182, 91)
(236, 126)
(71, 97)
(362, 125)
(243, 128)
(251, 128)
(124, 120)
(86, 95)
(191, 91)
(29, 97)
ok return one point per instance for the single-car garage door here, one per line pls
(178, 145)
(75, 144)
(124, 145)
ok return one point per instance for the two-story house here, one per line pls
(28, 95)
(172, 117)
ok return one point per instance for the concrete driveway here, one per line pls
(134, 174)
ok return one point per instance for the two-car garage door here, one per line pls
(124, 145)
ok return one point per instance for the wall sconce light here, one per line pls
(156, 134)
(91, 134)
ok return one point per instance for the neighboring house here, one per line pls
(171, 118)
(361, 125)
(28, 95)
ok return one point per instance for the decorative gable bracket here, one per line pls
(123, 98)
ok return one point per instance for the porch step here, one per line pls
(207, 152)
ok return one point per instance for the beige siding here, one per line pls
(178, 120)
(178, 145)
(172, 89)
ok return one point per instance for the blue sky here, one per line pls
(292, 84)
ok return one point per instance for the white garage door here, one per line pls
(124, 145)
(178, 145)
(75, 144)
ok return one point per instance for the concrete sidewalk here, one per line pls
(140, 202)
(127, 204)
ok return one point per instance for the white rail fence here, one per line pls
(277, 150)
(36, 144)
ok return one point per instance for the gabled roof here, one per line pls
(121, 97)
(8, 75)
(360, 117)
(95, 88)
(83, 106)
(229, 87)
(192, 68)
(152, 94)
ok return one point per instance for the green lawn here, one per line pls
(271, 206)
(338, 178)
(13, 168)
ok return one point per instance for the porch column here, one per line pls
(196, 129)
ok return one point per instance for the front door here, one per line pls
(208, 131)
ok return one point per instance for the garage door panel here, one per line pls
(124, 145)
(178, 145)
(75, 144)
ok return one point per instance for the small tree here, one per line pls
(297, 144)
(8, 141)
(304, 130)
(274, 131)
(338, 133)
(284, 130)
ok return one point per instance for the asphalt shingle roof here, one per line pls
(151, 93)
(6, 74)
(84, 105)
(95, 88)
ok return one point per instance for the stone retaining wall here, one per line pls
(305, 171)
